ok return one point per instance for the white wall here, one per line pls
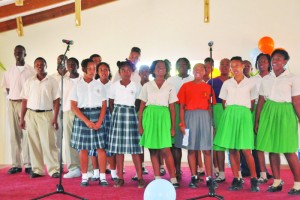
(162, 29)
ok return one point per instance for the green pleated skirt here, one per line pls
(218, 111)
(156, 122)
(235, 129)
(278, 128)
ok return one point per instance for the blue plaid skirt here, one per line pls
(106, 127)
(84, 137)
(124, 137)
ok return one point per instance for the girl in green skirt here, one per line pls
(235, 130)
(276, 120)
(157, 119)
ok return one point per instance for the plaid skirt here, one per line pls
(106, 123)
(84, 137)
(124, 137)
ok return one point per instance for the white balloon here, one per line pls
(160, 189)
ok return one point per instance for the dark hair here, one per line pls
(94, 56)
(136, 49)
(268, 58)
(184, 60)
(153, 65)
(42, 59)
(121, 64)
(238, 58)
(22, 47)
(282, 52)
(210, 60)
(84, 64)
(74, 60)
(97, 68)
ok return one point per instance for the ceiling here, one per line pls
(36, 11)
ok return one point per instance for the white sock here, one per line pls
(173, 180)
(240, 174)
(208, 177)
(263, 175)
(84, 176)
(113, 173)
(276, 182)
(162, 166)
(296, 185)
(222, 175)
(96, 172)
(143, 164)
(102, 176)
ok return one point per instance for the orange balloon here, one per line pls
(266, 45)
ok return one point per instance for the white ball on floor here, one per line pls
(160, 189)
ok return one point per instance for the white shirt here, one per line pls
(281, 88)
(88, 95)
(124, 95)
(257, 79)
(135, 77)
(177, 81)
(40, 94)
(238, 94)
(164, 96)
(69, 83)
(15, 78)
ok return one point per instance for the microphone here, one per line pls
(210, 43)
(69, 42)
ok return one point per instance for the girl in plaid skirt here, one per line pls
(88, 102)
(124, 137)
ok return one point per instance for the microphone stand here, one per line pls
(212, 192)
(59, 186)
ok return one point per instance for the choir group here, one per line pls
(104, 119)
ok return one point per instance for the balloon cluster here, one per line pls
(160, 189)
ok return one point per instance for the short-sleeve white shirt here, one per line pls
(257, 79)
(239, 94)
(40, 94)
(88, 95)
(57, 76)
(69, 83)
(124, 95)
(163, 96)
(281, 88)
(177, 81)
(14, 80)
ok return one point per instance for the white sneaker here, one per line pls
(73, 174)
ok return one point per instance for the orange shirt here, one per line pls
(195, 95)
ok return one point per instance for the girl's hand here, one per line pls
(141, 130)
(182, 129)
(97, 125)
(256, 128)
(173, 133)
(89, 124)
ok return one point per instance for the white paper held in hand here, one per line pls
(185, 140)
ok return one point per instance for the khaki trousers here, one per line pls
(72, 155)
(42, 142)
(18, 137)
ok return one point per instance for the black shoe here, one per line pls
(269, 176)
(14, 170)
(28, 170)
(236, 185)
(135, 178)
(193, 183)
(114, 179)
(175, 185)
(162, 171)
(56, 175)
(84, 183)
(254, 185)
(211, 181)
(220, 180)
(294, 192)
(103, 183)
(107, 171)
(35, 175)
(144, 170)
(275, 189)
(201, 173)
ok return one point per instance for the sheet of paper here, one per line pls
(185, 140)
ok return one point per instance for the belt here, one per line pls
(86, 109)
(39, 111)
(16, 100)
